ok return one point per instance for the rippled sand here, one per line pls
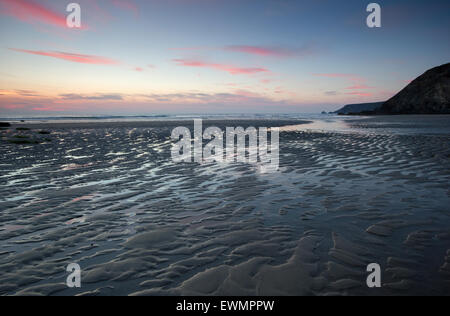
(107, 196)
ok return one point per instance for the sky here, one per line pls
(133, 57)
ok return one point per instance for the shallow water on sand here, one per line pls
(111, 200)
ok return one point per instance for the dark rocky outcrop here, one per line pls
(358, 108)
(428, 94)
(3, 124)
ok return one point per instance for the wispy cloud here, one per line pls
(72, 57)
(48, 109)
(306, 50)
(335, 75)
(31, 12)
(239, 96)
(265, 81)
(355, 89)
(20, 93)
(233, 70)
(264, 51)
(97, 97)
(360, 94)
(358, 87)
(127, 5)
(358, 81)
(27, 93)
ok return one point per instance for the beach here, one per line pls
(107, 196)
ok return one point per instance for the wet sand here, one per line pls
(108, 197)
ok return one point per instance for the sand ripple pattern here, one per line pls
(111, 200)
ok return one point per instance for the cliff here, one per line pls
(428, 94)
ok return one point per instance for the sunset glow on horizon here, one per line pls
(136, 57)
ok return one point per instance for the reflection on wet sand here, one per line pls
(143, 225)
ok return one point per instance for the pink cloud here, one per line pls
(233, 70)
(358, 87)
(261, 51)
(335, 75)
(264, 51)
(30, 12)
(139, 69)
(265, 81)
(247, 94)
(127, 5)
(12, 106)
(272, 51)
(358, 81)
(76, 58)
(360, 94)
(48, 109)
